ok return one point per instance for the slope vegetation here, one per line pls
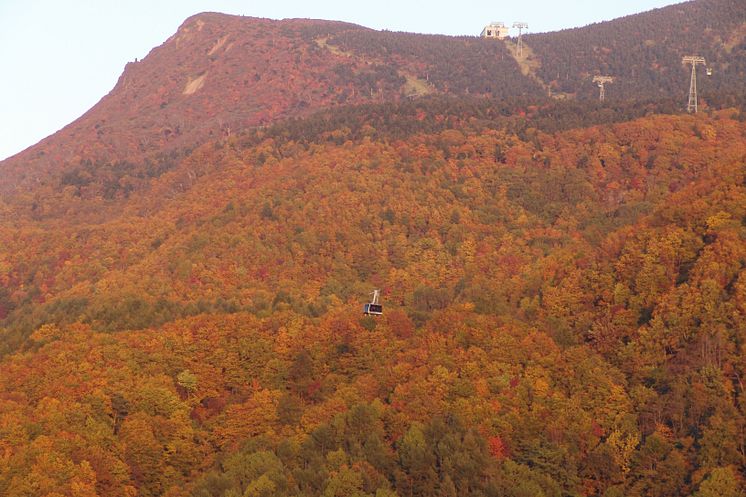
(182, 272)
(643, 52)
(564, 312)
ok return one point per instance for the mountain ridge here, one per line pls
(244, 72)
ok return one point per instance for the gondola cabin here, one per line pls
(373, 308)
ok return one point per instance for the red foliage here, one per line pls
(497, 448)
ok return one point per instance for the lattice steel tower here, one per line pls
(521, 26)
(693, 60)
(601, 81)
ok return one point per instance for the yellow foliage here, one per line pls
(46, 333)
(623, 446)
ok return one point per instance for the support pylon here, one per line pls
(691, 105)
(521, 26)
(601, 81)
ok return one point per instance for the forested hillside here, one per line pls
(564, 315)
(643, 52)
(219, 74)
(563, 281)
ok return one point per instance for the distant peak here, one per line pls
(209, 17)
(203, 18)
(199, 21)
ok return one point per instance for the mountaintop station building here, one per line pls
(495, 30)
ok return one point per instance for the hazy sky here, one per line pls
(59, 57)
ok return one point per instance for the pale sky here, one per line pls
(59, 57)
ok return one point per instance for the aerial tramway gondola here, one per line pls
(374, 308)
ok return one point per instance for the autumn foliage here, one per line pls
(564, 291)
(564, 315)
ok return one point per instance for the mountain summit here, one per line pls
(219, 74)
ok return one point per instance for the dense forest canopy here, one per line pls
(563, 280)
(643, 52)
(593, 277)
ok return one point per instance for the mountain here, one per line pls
(220, 74)
(563, 281)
